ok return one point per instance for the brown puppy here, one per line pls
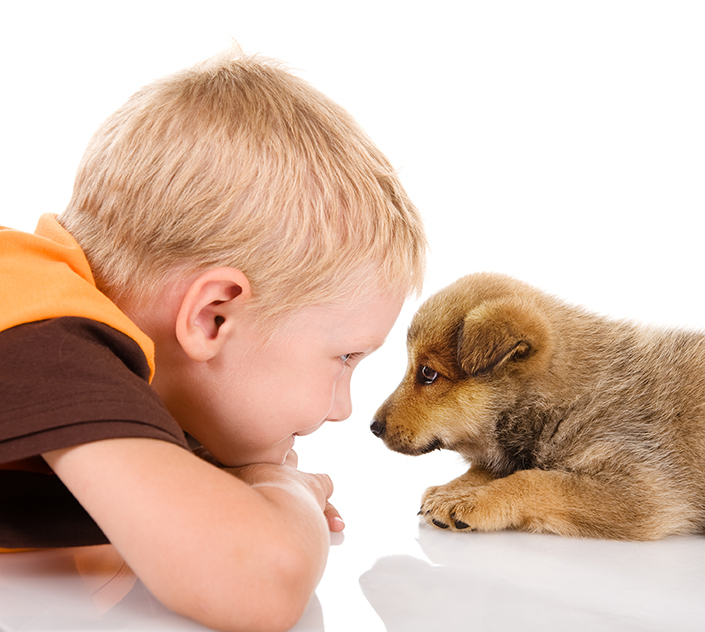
(572, 423)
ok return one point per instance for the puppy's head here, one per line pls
(473, 348)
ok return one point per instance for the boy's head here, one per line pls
(238, 163)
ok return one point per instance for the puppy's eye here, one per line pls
(426, 375)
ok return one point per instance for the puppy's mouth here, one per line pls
(436, 444)
(432, 446)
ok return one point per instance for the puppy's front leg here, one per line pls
(558, 502)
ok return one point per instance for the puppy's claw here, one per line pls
(459, 524)
(439, 524)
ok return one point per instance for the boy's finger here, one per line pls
(335, 522)
(292, 459)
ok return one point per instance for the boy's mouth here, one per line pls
(308, 431)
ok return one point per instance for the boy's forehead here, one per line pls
(365, 323)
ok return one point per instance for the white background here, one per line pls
(561, 142)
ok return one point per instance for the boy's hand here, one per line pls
(319, 485)
(335, 522)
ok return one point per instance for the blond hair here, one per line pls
(237, 162)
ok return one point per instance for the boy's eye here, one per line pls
(346, 357)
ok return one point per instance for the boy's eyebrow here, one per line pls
(371, 344)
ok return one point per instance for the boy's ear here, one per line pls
(208, 309)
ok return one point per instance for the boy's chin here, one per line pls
(276, 455)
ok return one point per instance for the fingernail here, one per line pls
(337, 524)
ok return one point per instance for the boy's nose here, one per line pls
(342, 404)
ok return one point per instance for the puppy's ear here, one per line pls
(500, 331)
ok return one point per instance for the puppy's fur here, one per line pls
(572, 423)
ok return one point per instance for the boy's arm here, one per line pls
(209, 546)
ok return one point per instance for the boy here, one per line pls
(234, 235)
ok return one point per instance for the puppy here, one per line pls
(572, 423)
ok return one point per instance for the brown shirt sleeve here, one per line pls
(64, 382)
(67, 381)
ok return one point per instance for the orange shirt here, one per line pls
(46, 275)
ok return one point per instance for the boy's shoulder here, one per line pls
(46, 275)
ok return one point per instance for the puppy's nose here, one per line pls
(378, 428)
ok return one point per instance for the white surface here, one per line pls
(387, 575)
(561, 142)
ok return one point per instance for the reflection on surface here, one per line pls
(90, 588)
(312, 619)
(486, 582)
(78, 589)
(501, 581)
(107, 577)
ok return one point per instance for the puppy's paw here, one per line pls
(445, 509)
(471, 509)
